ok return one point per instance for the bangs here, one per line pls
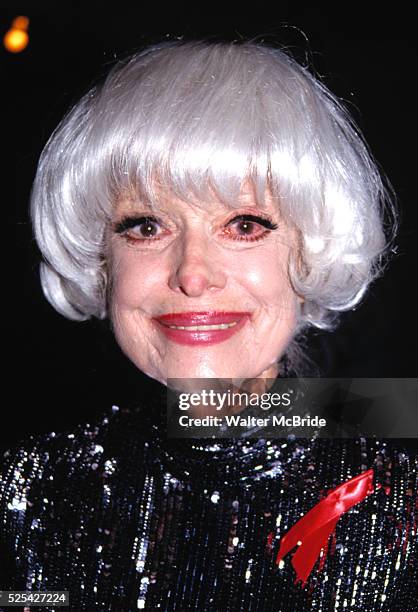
(200, 125)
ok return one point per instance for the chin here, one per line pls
(207, 371)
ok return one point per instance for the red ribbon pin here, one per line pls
(313, 530)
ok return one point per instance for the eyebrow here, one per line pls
(136, 204)
(129, 208)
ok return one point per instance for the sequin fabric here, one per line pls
(127, 520)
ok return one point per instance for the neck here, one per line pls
(239, 386)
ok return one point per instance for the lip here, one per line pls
(201, 337)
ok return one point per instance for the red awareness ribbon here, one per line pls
(313, 530)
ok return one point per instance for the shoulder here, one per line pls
(396, 458)
(51, 483)
(46, 465)
(396, 468)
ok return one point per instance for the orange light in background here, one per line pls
(20, 23)
(17, 39)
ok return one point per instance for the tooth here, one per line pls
(203, 327)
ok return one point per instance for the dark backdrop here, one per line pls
(63, 371)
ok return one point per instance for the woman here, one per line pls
(214, 201)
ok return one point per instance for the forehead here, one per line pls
(166, 200)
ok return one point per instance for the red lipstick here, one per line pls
(228, 324)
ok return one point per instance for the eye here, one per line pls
(249, 228)
(139, 229)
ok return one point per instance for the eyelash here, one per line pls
(255, 219)
(128, 223)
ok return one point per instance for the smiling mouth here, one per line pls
(201, 328)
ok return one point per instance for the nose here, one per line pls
(196, 270)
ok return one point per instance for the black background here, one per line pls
(64, 371)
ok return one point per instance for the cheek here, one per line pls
(132, 299)
(267, 280)
(132, 283)
(130, 303)
(277, 306)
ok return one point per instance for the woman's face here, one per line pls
(201, 290)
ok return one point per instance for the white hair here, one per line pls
(207, 116)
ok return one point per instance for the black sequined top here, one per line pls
(126, 520)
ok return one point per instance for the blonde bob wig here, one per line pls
(207, 116)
